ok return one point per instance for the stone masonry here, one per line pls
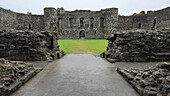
(84, 23)
(68, 24)
(29, 45)
(81, 23)
(151, 20)
(138, 46)
(13, 74)
(153, 81)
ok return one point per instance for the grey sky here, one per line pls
(126, 7)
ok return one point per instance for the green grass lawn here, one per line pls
(83, 46)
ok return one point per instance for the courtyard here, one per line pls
(83, 46)
(83, 50)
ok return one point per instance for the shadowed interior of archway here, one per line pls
(82, 34)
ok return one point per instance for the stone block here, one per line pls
(2, 47)
(150, 93)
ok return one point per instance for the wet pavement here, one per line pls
(77, 75)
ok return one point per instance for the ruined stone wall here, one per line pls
(84, 23)
(28, 45)
(139, 46)
(152, 81)
(151, 20)
(81, 23)
(14, 74)
(7, 19)
(19, 21)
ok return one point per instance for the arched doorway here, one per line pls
(82, 34)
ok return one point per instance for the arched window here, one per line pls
(81, 22)
(91, 22)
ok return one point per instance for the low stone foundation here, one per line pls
(13, 74)
(138, 46)
(154, 81)
(29, 45)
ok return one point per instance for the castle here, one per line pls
(84, 23)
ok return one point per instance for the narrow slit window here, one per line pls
(101, 22)
(71, 22)
(29, 26)
(154, 24)
(60, 23)
(140, 25)
(91, 22)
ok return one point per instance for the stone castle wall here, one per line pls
(19, 21)
(138, 46)
(84, 23)
(81, 23)
(29, 45)
(149, 21)
(68, 24)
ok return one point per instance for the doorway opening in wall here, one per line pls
(82, 34)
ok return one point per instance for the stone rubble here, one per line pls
(154, 81)
(138, 45)
(29, 45)
(13, 74)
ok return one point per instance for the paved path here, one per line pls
(77, 75)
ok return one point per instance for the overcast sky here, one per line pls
(126, 7)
